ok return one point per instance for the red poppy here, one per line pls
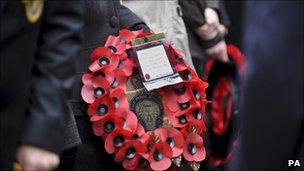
(119, 98)
(116, 140)
(105, 63)
(141, 135)
(123, 56)
(177, 58)
(194, 149)
(179, 66)
(115, 45)
(196, 126)
(107, 125)
(94, 87)
(186, 107)
(176, 52)
(160, 156)
(101, 108)
(119, 80)
(171, 106)
(198, 88)
(173, 138)
(138, 32)
(143, 165)
(196, 113)
(126, 37)
(183, 93)
(126, 66)
(179, 119)
(188, 74)
(99, 52)
(130, 154)
(144, 34)
(180, 92)
(129, 118)
(87, 78)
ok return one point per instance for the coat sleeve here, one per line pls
(52, 76)
(129, 20)
(193, 12)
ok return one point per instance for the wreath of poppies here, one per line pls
(180, 135)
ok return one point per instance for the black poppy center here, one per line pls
(197, 95)
(170, 142)
(102, 109)
(120, 65)
(122, 40)
(118, 141)
(197, 114)
(99, 91)
(143, 162)
(184, 106)
(177, 59)
(192, 149)
(103, 61)
(182, 119)
(113, 49)
(100, 74)
(130, 153)
(181, 90)
(114, 83)
(109, 126)
(130, 52)
(135, 136)
(116, 102)
(187, 75)
(158, 155)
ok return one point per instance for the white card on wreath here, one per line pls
(156, 68)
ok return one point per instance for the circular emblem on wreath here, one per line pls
(144, 129)
(148, 109)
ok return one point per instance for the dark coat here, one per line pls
(36, 74)
(272, 116)
(102, 18)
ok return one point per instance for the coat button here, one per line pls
(114, 22)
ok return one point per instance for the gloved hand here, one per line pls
(212, 36)
(218, 51)
(33, 158)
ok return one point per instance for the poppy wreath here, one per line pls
(183, 124)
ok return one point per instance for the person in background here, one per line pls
(271, 114)
(39, 40)
(206, 23)
(164, 16)
(102, 18)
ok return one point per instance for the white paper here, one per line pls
(154, 62)
(156, 68)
